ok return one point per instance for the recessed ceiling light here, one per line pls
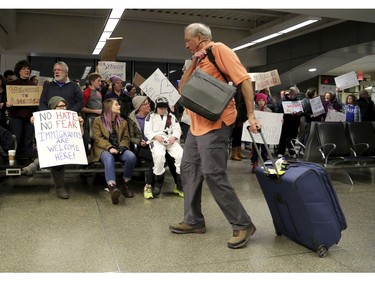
(312, 69)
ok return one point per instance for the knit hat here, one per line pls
(54, 101)
(114, 79)
(260, 96)
(137, 101)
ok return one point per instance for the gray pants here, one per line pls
(205, 158)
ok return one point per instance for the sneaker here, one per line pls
(177, 191)
(240, 237)
(147, 193)
(183, 228)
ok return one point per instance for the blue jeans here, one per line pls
(109, 160)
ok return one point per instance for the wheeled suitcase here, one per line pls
(303, 203)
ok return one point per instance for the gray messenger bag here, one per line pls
(206, 95)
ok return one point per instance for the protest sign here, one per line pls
(157, 85)
(335, 116)
(347, 80)
(290, 107)
(138, 79)
(107, 69)
(24, 95)
(271, 124)
(317, 106)
(58, 137)
(265, 79)
(111, 48)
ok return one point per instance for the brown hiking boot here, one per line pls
(125, 190)
(240, 237)
(183, 228)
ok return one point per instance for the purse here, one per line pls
(206, 95)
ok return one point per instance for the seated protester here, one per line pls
(136, 121)
(92, 105)
(162, 130)
(57, 172)
(121, 95)
(111, 143)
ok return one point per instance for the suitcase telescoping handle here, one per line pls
(267, 149)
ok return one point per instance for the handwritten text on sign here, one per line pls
(24, 95)
(107, 69)
(59, 138)
(157, 85)
(271, 124)
(291, 107)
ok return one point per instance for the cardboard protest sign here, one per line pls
(271, 124)
(290, 107)
(58, 137)
(265, 79)
(157, 85)
(138, 79)
(111, 48)
(335, 116)
(347, 80)
(107, 69)
(317, 106)
(24, 95)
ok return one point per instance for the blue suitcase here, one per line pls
(303, 204)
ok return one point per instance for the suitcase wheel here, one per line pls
(322, 251)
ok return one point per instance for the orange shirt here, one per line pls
(229, 64)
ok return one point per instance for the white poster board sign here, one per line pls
(107, 69)
(157, 85)
(291, 107)
(265, 79)
(335, 116)
(347, 80)
(271, 124)
(58, 137)
(317, 106)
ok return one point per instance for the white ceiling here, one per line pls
(157, 34)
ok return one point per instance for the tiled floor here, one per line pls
(42, 233)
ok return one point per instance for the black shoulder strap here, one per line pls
(212, 60)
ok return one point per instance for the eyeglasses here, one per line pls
(61, 106)
(25, 68)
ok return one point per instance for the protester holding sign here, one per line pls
(291, 124)
(112, 143)
(308, 114)
(19, 116)
(57, 172)
(331, 102)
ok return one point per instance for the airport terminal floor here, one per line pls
(41, 233)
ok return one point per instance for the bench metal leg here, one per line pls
(341, 175)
